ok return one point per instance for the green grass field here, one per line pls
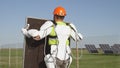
(98, 61)
(87, 61)
(15, 58)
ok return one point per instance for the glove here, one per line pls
(80, 36)
(25, 32)
(27, 27)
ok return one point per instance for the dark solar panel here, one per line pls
(116, 48)
(34, 50)
(91, 48)
(106, 48)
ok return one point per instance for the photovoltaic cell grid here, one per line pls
(106, 48)
(116, 48)
(91, 48)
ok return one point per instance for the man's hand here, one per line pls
(27, 26)
(80, 36)
(24, 30)
(36, 38)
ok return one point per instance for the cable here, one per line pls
(45, 43)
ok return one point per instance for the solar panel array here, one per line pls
(106, 48)
(91, 48)
(116, 48)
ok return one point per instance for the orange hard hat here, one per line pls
(60, 11)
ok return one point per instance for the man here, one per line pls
(58, 33)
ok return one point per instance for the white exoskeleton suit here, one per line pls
(60, 52)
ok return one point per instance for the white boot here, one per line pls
(49, 61)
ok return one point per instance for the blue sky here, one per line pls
(91, 17)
